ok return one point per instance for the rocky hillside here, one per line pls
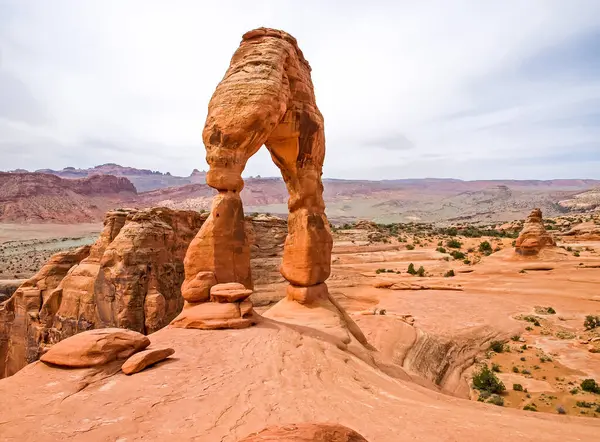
(38, 197)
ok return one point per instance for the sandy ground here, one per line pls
(24, 248)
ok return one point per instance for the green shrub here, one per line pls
(457, 255)
(515, 338)
(410, 247)
(530, 407)
(486, 380)
(576, 254)
(454, 243)
(496, 368)
(590, 385)
(497, 346)
(411, 269)
(515, 369)
(449, 274)
(421, 271)
(441, 250)
(496, 400)
(485, 247)
(467, 261)
(585, 404)
(517, 387)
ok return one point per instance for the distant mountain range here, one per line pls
(402, 200)
(142, 179)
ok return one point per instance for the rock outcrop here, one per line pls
(306, 432)
(129, 278)
(143, 359)
(534, 236)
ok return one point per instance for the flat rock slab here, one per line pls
(96, 347)
(143, 359)
(307, 432)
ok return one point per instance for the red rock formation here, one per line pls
(129, 278)
(534, 236)
(307, 432)
(38, 197)
(266, 97)
(146, 358)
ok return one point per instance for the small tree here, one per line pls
(454, 243)
(411, 269)
(421, 271)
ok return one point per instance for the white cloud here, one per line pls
(449, 76)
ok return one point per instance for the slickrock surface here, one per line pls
(309, 432)
(96, 347)
(534, 236)
(139, 361)
(227, 384)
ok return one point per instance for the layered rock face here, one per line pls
(129, 278)
(534, 236)
(306, 432)
(266, 97)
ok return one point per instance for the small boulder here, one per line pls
(96, 347)
(143, 359)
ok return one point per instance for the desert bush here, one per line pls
(590, 385)
(410, 247)
(496, 368)
(441, 250)
(561, 410)
(411, 269)
(530, 407)
(515, 369)
(517, 387)
(454, 243)
(449, 274)
(515, 338)
(591, 322)
(457, 255)
(485, 247)
(496, 400)
(497, 346)
(421, 271)
(585, 404)
(486, 380)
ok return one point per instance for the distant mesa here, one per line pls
(534, 237)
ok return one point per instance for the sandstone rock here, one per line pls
(306, 432)
(534, 236)
(221, 245)
(198, 288)
(305, 295)
(229, 292)
(96, 347)
(145, 358)
(155, 309)
(213, 315)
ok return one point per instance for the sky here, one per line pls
(469, 89)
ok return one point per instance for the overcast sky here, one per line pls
(469, 89)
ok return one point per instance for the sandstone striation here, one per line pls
(306, 432)
(534, 236)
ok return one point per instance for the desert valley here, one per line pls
(141, 305)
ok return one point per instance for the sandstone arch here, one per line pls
(265, 98)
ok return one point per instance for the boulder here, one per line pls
(145, 358)
(96, 347)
